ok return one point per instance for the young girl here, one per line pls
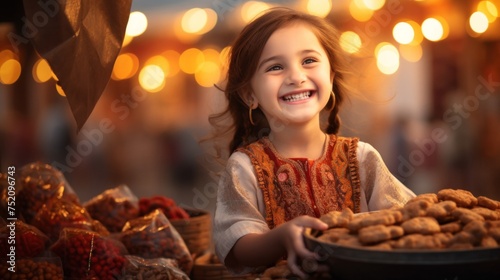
(284, 170)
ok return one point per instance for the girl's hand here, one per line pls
(292, 240)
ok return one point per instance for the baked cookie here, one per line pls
(418, 241)
(337, 218)
(441, 211)
(487, 213)
(431, 197)
(416, 208)
(452, 227)
(462, 198)
(383, 217)
(466, 215)
(421, 225)
(489, 203)
(334, 234)
(379, 233)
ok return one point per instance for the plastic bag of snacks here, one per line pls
(160, 268)
(29, 242)
(165, 204)
(114, 207)
(36, 184)
(47, 268)
(153, 236)
(57, 214)
(88, 255)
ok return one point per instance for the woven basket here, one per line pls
(195, 231)
(203, 270)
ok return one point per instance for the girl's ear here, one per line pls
(250, 100)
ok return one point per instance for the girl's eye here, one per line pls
(274, 68)
(309, 60)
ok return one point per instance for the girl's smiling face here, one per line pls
(293, 79)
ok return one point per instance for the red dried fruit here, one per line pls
(33, 269)
(88, 255)
(114, 207)
(36, 184)
(153, 236)
(165, 204)
(57, 214)
(30, 242)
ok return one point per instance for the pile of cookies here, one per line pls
(448, 219)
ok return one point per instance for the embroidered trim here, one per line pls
(354, 171)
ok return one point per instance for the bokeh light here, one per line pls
(137, 24)
(60, 90)
(489, 9)
(374, 4)
(403, 33)
(152, 78)
(190, 60)
(41, 71)
(173, 62)
(251, 9)
(432, 29)
(126, 66)
(478, 22)
(320, 8)
(194, 20)
(411, 53)
(350, 42)
(10, 70)
(359, 11)
(208, 74)
(387, 58)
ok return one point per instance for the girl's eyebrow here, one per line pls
(280, 56)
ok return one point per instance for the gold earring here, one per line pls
(333, 101)
(250, 114)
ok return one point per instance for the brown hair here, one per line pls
(243, 59)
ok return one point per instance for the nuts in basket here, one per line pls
(450, 219)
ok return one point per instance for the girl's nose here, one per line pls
(295, 77)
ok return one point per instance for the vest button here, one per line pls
(282, 176)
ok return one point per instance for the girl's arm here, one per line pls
(267, 248)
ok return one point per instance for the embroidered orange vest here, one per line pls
(294, 187)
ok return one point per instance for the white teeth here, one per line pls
(297, 97)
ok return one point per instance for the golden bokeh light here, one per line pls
(137, 24)
(127, 40)
(320, 8)
(387, 58)
(418, 37)
(173, 62)
(60, 90)
(411, 53)
(126, 66)
(152, 78)
(374, 4)
(350, 42)
(6, 55)
(251, 9)
(194, 20)
(41, 71)
(10, 70)
(359, 11)
(161, 61)
(478, 22)
(190, 60)
(432, 29)
(489, 9)
(208, 74)
(403, 33)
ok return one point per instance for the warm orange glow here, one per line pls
(412, 53)
(320, 8)
(10, 71)
(208, 74)
(173, 62)
(478, 22)
(194, 20)
(403, 33)
(359, 11)
(137, 24)
(190, 60)
(374, 4)
(432, 29)
(387, 58)
(251, 9)
(489, 9)
(41, 71)
(60, 90)
(126, 66)
(152, 78)
(350, 42)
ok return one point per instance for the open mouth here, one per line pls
(297, 96)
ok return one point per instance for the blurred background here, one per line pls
(425, 94)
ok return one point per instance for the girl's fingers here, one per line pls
(294, 268)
